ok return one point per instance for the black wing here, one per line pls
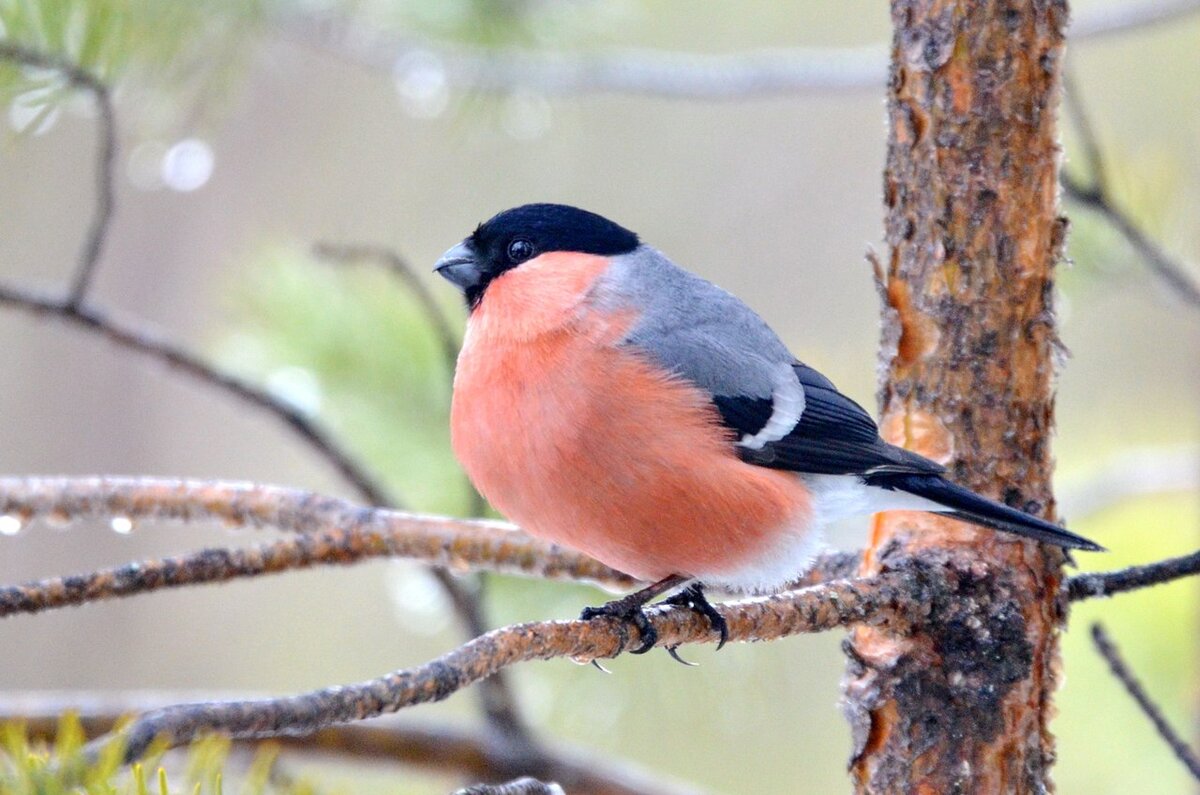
(835, 435)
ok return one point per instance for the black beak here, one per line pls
(460, 266)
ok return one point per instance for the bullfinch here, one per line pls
(607, 400)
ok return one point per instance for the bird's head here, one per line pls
(521, 234)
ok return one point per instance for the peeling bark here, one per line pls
(961, 702)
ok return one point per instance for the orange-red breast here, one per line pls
(610, 401)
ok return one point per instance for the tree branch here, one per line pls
(1115, 20)
(814, 609)
(1173, 274)
(1108, 650)
(336, 531)
(106, 156)
(1098, 197)
(475, 755)
(141, 340)
(669, 75)
(214, 565)
(323, 540)
(1089, 586)
(458, 544)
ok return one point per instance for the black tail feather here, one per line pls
(967, 505)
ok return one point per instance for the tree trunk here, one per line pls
(961, 701)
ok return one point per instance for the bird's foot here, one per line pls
(629, 610)
(693, 598)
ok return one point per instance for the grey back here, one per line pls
(691, 327)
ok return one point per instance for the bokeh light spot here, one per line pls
(187, 165)
(420, 78)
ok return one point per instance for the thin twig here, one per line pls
(354, 253)
(458, 544)
(814, 609)
(1120, 669)
(329, 532)
(471, 754)
(214, 565)
(1098, 196)
(354, 530)
(1174, 274)
(1073, 99)
(671, 75)
(143, 341)
(106, 156)
(1114, 20)
(1089, 586)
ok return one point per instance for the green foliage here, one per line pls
(488, 23)
(1147, 185)
(351, 346)
(166, 44)
(184, 52)
(32, 767)
(107, 36)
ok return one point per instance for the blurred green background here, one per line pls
(243, 142)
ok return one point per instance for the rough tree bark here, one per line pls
(962, 703)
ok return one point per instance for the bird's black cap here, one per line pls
(556, 227)
(514, 236)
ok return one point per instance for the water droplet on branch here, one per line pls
(297, 387)
(10, 525)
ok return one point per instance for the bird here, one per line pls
(607, 400)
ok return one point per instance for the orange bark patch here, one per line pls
(918, 336)
(958, 79)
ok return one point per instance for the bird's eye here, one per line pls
(520, 250)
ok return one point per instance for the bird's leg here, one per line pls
(693, 598)
(628, 609)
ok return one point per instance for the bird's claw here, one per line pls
(671, 650)
(626, 612)
(693, 598)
